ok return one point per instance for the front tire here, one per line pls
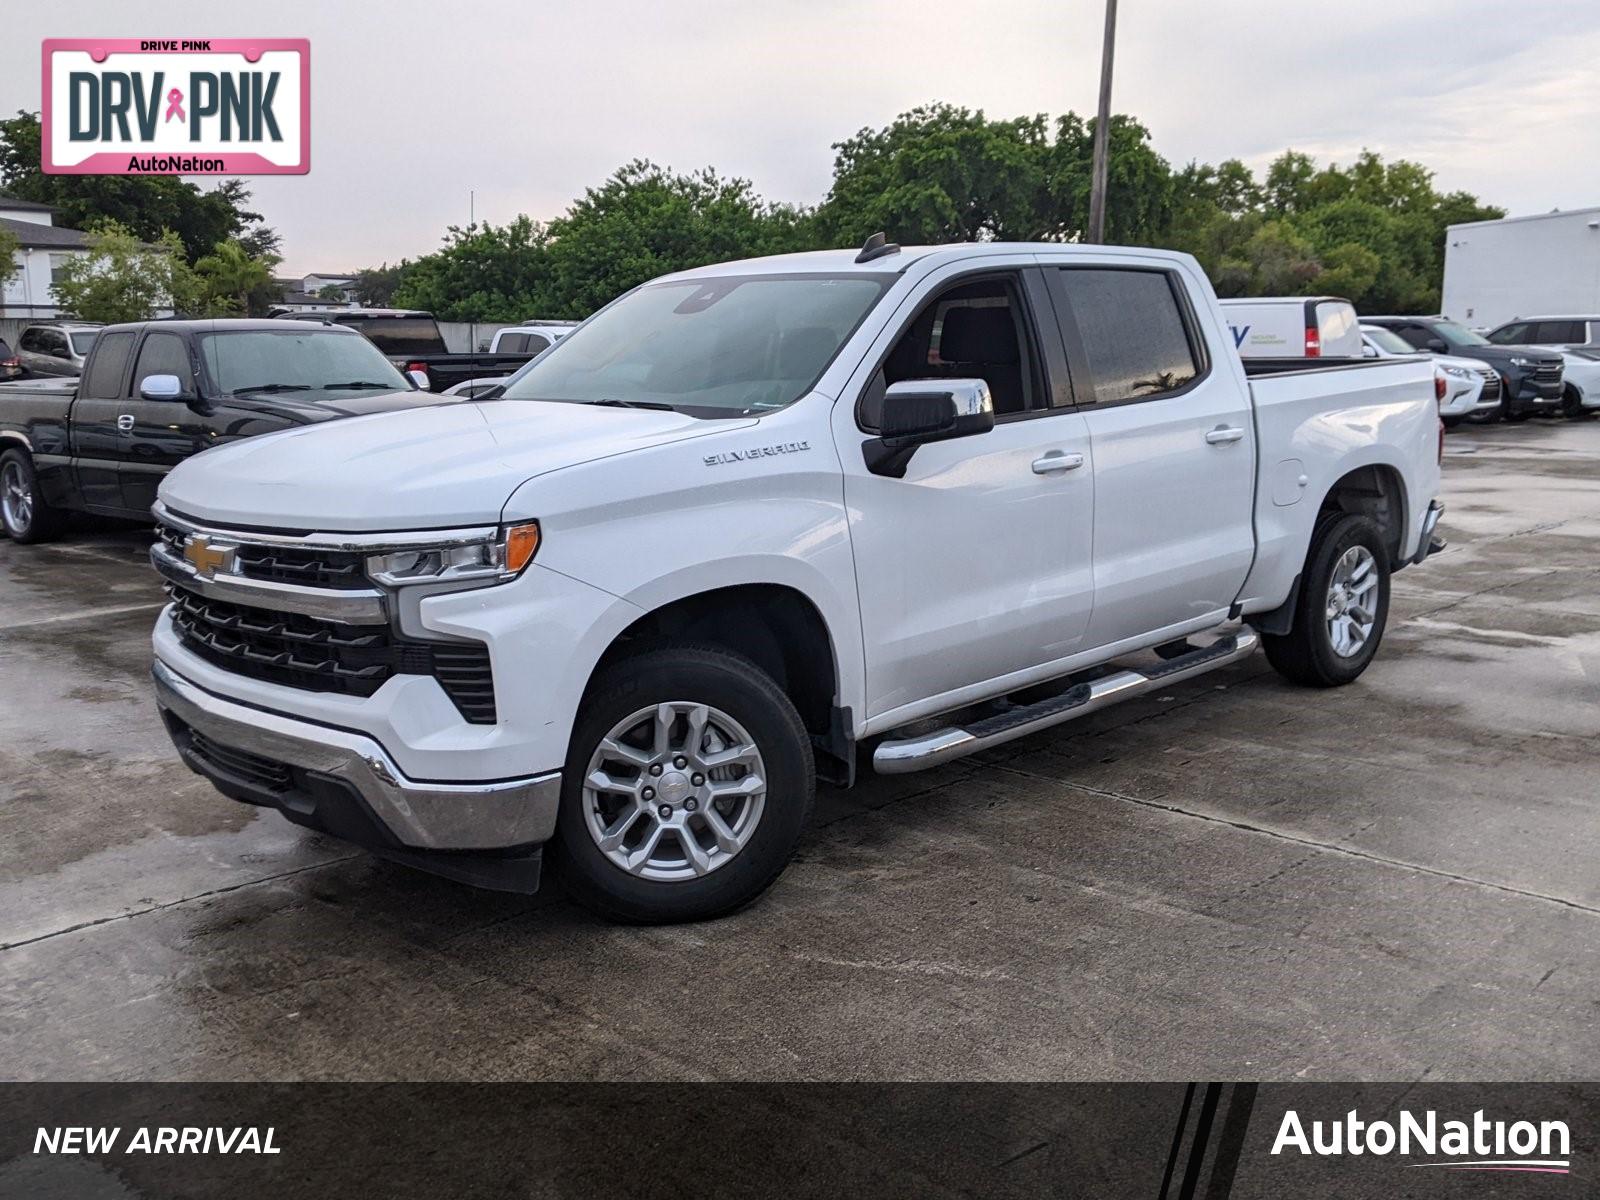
(1572, 405)
(688, 782)
(26, 516)
(1342, 607)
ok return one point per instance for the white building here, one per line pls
(304, 294)
(1496, 271)
(44, 247)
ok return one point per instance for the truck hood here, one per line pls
(429, 468)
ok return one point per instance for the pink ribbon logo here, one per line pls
(175, 105)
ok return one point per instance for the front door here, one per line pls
(976, 564)
(1174, 449)
(160, 433)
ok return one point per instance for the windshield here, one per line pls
(720, 347)
(1458, 335)
(323, 361)
(1388, 341)
(83, 339)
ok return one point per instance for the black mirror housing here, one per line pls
(918, 411)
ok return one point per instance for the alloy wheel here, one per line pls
(674, 791)
(1352, 604)
(16, 498)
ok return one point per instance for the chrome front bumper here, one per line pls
(419, 815)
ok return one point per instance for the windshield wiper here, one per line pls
(356, 383)
(655, 405)
(273, 387)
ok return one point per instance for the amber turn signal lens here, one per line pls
(522, 543)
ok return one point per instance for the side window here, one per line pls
(1557, 333)
(164, 354)
(1135, 339)
(1514, 334)
(107, 367)
(30, 341)
(56, 343)
(1415, 335)
(972, 330)
(535, 343)
(513, 343)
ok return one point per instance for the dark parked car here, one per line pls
(1531, 379)
(156, 392)
(411, 340)
(56, 348)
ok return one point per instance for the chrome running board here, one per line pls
(899, 756)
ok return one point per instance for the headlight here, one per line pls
(1521, 362)
(1460, 372)
(470, 564)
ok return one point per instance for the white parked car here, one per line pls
(1466, 387)
(1558, 333)
(1581, 383)
(1293, 326)
(535, 337)
(755, 524)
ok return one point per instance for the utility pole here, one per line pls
(1102, 133)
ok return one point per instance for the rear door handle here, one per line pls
(125, 423)
(1223, 434)
(1056, 462)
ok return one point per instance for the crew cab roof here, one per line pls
(843, 262)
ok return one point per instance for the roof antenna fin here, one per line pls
(877, 246)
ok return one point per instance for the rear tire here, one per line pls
(667, 786)
(1342, 607)
(23, 511)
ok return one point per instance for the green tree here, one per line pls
(9, 266)
(145, 205)
(375, 287)
(484, 273)
(122, 278)
(646, 220)
(939, 174)
(234, 281)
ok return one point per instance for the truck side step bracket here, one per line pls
(898, 756)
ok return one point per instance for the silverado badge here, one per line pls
(205, 558)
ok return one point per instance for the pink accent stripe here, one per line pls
(1530, 1170)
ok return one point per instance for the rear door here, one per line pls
(157, 434)
(1169, 422)
(94, 435)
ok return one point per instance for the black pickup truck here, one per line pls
(411, 340)
(156, 392)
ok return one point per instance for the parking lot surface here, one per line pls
(1233, 879)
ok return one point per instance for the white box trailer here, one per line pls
(1496, 271)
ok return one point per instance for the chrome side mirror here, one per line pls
(160, 387)
(419, 380)
(917, 411)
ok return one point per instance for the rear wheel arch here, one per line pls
(1377, 492)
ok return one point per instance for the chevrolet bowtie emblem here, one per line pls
(207, 559)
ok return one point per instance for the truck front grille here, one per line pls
(323, 656)
(1491, 385)
(1548, 372)
(306, 566)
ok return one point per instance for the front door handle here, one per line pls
(1056, 462)
(125, 423)
(1224, 434)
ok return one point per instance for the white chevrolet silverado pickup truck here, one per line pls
(756, 523)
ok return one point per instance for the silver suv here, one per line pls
(56, 347)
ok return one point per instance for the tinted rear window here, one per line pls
(1133, 332)
(108, 367)
(399, 335)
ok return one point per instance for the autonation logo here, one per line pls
(1476, 1145)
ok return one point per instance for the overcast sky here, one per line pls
(416, 102)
